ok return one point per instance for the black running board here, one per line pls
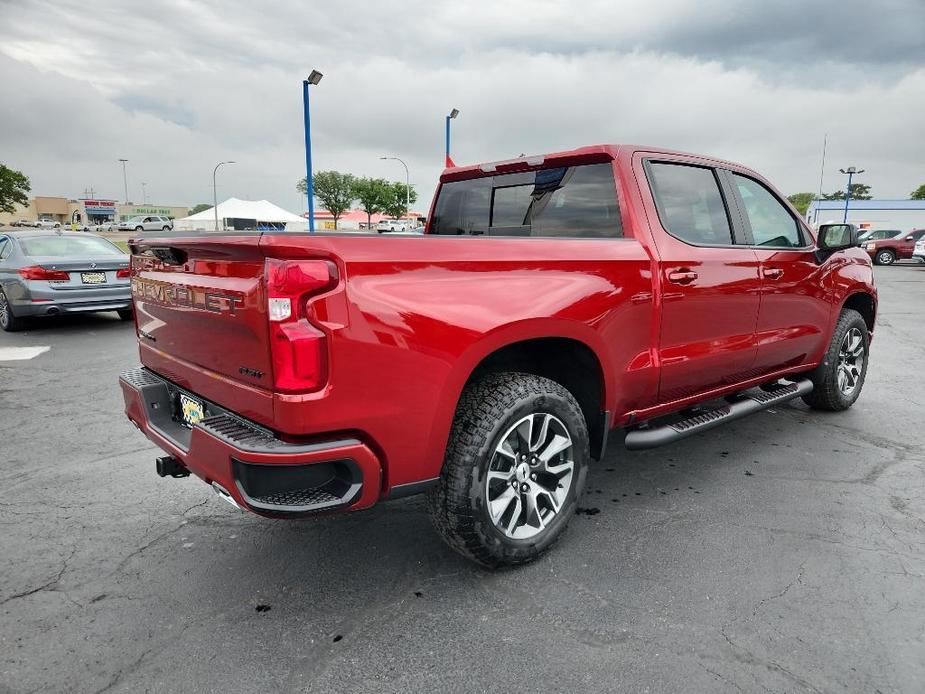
(751, 402)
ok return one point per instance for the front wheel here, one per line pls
(139, 228)
(514, 469)
(838, 380)
(885, 257)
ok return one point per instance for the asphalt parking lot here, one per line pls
(783, 553)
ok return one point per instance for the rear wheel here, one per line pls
(515, 466)
(165, 228)
(838, 380)
(126, 314)
(885, 257)
(8, 321)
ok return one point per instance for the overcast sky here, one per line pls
(178, 85)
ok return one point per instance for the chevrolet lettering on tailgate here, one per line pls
(185, 296)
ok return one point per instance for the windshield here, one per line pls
(68, 246)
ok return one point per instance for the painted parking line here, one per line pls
(21, 353)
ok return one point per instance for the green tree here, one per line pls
(859, 191)
(918, 193)
(201, 207)
(373, 194)
(801, 201)
(14, 189)
(335, 191)
(395, 199)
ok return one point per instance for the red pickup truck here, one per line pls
(552, 300)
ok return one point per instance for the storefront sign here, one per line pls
(105, 207)
(161, 211)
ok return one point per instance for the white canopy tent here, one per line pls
(253, 214)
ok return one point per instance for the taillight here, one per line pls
(34, 272)
(298, 348)
(123, 273)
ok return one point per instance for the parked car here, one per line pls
(44, 273)
(919, 251)
(899, 247)
(146, 223)
(486, 362)
(877, 235)
(387, 225)
(22, 223)
(47, 224)
(103, 226)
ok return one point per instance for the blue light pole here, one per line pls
(851, 171)
(313, 78)
(451, 116)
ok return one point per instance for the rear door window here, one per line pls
(575, 202)
(690, 205)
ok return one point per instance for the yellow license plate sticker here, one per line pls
(191, 410)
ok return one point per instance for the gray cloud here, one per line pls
(176, 85)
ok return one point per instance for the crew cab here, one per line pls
(900, 246)
(552, 300)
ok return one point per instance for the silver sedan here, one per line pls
(47, 273)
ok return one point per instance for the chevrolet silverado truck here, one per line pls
(554, 302)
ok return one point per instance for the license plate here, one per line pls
(191, 410)
(93, 277)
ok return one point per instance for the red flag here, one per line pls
(449, 162)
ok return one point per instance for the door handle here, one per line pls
(772, 273)
(682, 276)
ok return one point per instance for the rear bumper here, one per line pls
(258, 471)
(38, 299)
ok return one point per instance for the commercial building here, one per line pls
(87, 210)
(870, 214)
(351, 220)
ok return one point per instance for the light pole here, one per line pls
(144, 193)
(407, 183)
(451, 116)
(215, 193)
(124, 179)
(851, 171)
(313, 78)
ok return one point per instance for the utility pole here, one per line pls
(407, 183)
(124, 179)
(215, 194)
(851, 171)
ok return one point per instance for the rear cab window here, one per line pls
(568, 202)
(689, 203)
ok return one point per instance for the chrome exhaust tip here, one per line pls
(223, 494)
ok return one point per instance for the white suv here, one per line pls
(393, 225)
(146, 223)
(918, 253)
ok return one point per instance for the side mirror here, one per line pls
(910, 238)
(837, 237)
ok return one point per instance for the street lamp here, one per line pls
(451, 116)
(215, 194)
(144, 193)
(124, 179)
(850, 171)
(313, 78)
(407, 183)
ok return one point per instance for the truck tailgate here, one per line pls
(202, 301)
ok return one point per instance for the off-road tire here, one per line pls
(826, 395)
(9, 322)
(486, 409)
(884, 257)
